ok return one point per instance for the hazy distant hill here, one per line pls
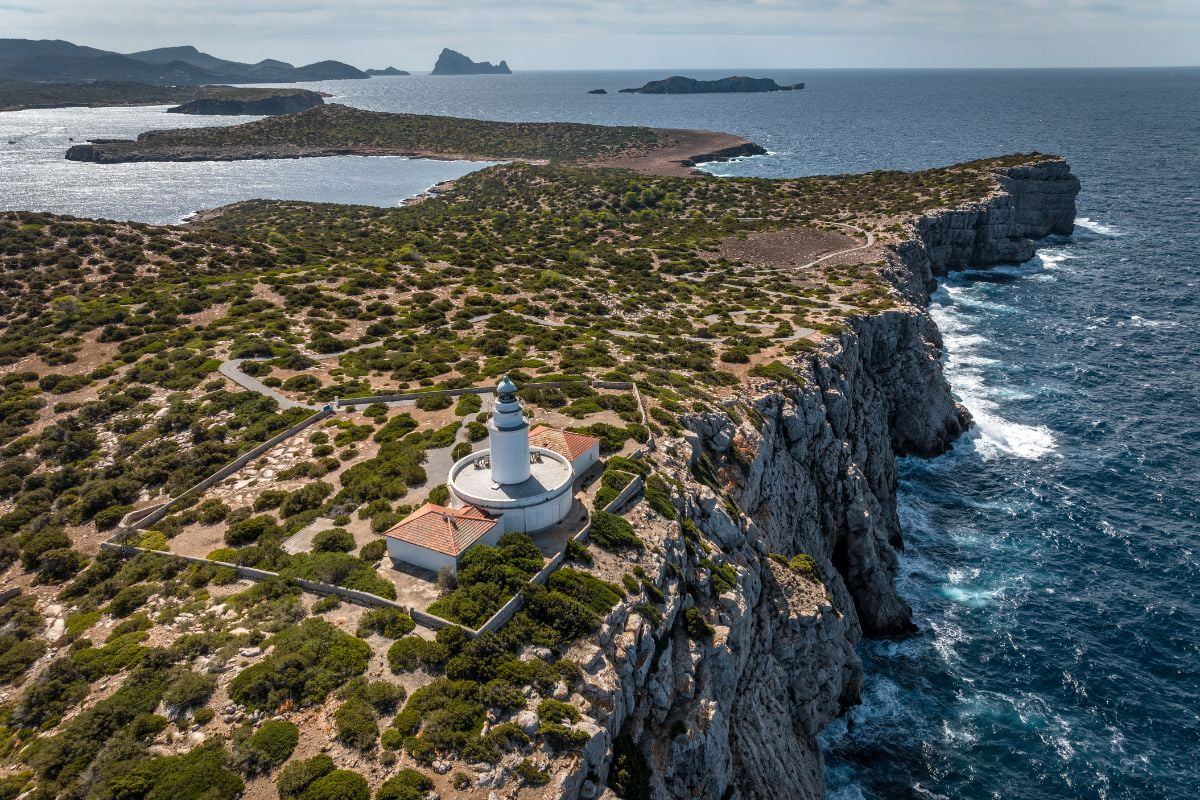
(60, 61)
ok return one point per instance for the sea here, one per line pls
(1053, 557)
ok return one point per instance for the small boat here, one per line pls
(12, 141)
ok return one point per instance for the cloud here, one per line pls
(620, 33)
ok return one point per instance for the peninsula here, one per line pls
(18, 95)
(277, 102)
(235, 451)
(334, 129)
(452, 62)
(678, 84)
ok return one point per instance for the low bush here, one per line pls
(341, 784)
(612, 532)
(333, 540)
(356, 724)
(299, 775)
(407, 784)
(390, 622)
(264, 749)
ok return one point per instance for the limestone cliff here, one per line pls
(787, 470)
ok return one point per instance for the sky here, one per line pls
(626, 34)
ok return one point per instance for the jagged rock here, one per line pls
(451, 62)
(526, 721)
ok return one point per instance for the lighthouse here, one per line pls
(508, 437)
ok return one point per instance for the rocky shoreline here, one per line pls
(796, 469)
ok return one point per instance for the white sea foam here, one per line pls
(1096, 226)
(1052, 258)
(995, 435)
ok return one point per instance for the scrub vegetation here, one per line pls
(147, 677)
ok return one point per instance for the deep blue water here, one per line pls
(1052, 556)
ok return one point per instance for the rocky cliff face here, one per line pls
(790, 470)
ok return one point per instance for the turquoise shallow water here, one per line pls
(1052, 556)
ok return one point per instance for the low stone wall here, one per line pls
(344, 402)
(506, 612)
(133, 521)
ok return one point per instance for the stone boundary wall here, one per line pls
(144, 518)
(506, 612)
(343, 402)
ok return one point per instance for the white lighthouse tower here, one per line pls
(508, 436)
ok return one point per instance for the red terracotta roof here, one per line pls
(565, 443)
(444, 530)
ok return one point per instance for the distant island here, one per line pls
(20, 95)
(64, 62)
(284, 101)
(678, 84)
(388, 71)
(598, 91)
(451, 62)
(334, 129)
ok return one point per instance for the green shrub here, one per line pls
(461, 451)
(266, 748)
(390, 622)
(468, 404)
(530, 774)
(130, 599)
(559, 737)
(612, 532)
(804, 565)
(199, 774)
(203, 716)
(604, 496)
(307, 662)
(299, 775)
(356, 724)
(333, 540)
(596, 594)
(188, 691)
(413, 652)
(696, 626)
(434, 401)
(440, 494)
(577, 552)
(269, 498)
(407, 784)
(249, 531)
(341, 784)
(550, 710)
(373, 550)
(658, 497)
(327, 603)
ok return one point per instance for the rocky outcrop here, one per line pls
(452, 62)
(266, 106)
(783, 470)
(678, 84)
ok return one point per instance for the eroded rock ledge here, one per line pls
(783, 471)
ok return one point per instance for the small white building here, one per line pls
(435, 537)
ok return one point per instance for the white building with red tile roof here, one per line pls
(581, 450)
(436, 537)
